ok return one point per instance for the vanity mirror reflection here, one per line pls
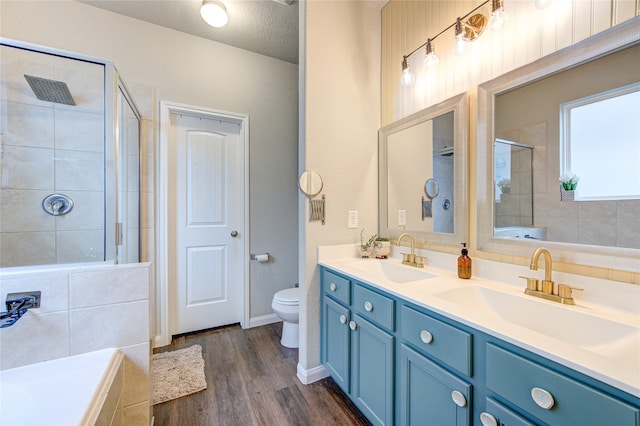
(423, 174)
(528, 108)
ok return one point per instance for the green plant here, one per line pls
(379, 238)
(569, 181)
(504, 185)
(369, 241)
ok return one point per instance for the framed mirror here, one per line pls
(523, 138)
(425, 153)
(310, 183)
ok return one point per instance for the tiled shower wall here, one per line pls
(49, 148)
(84, 309)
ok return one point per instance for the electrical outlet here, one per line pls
(402, 218)
(352, 219)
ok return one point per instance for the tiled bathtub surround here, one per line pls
(84, 308)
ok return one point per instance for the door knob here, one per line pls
(234, 233)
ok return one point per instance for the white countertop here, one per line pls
(617, 363)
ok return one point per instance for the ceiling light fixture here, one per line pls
(214, 13)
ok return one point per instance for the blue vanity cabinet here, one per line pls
(336, 354)
(429, 394)
(372, 367)
(550, 396)
(357, 344)
(404, 364)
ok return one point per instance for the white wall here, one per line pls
(186, 69)
(341, 110)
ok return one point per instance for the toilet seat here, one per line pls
(288, 297)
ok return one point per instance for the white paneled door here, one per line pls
(206, 219)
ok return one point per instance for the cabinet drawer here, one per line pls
(433, 337)
(567, 401)
(502, 416)
(336, 286)
(374, 306)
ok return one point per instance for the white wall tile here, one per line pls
(26, 168)
(79, 130)
(79, 170)
(52, 285)
(27, 125)
(117, 325)
(34, 338)
(98, 288)
(137, 360)
(79, 246)
(21, 211)
(27, 248)
(87, 212)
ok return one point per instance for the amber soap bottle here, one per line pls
(464, 263)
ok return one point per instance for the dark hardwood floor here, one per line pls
(251, 380)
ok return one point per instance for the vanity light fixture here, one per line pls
(431, 60)
(408, 77)
(498, 15)
(214, 13)
(461, 39)
(466, 30)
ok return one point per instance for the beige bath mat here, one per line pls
(177, 373)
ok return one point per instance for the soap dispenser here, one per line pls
(464, 263)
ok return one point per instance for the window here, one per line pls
(600, 142)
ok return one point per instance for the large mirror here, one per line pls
(423, 174)
(529, 134)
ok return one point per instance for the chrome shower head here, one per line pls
(50, 90)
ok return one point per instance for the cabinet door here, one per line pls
(372, 371)
(335, 341)
(429, 395)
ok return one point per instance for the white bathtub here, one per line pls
(79, 390)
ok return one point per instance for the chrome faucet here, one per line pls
(410, 258)
(546, 291)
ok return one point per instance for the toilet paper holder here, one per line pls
(260, 257)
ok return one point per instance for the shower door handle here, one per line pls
(234, 233)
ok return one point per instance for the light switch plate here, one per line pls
(353, 219)
(402, 217)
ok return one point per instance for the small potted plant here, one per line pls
(366, 247)
(568, 184)
(504, 185)
(383, 247)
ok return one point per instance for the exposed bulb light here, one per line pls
(461, 39)
(431, 60)
(408, 77)
(542, 4)
(498, 15)
(214, 13)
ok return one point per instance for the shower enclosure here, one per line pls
(69, 159)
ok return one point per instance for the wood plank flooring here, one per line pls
(251, 380)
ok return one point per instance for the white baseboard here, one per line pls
(312, 375)
(263, 320)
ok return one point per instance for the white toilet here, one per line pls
(285, 305)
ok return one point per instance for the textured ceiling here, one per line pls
(261, 26)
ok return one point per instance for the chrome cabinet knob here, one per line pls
(352, 325)
(488, 420)
(368, 306)
(542, 398)
(333, 287)
(458, 398)
(343, 319)
(426, 337)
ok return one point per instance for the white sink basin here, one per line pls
(390, 271)
(568, 324)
